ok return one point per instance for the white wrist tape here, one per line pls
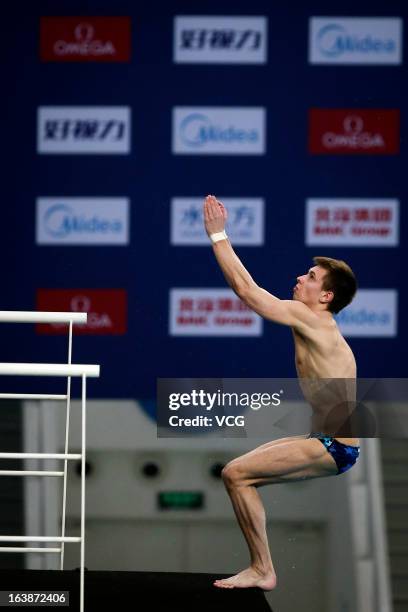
(218, 236)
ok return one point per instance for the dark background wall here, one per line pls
(151, 85)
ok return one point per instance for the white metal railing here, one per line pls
(29, 473)
(64, 488)
(34, 396)
(373, 592)
(28, 316)
(67, 370)
(27, 549)
(39, 456)
(48, 369)
(379, 529)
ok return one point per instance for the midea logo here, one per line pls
(61, 221)
(334, 40)
(197, 130)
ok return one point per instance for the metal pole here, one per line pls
(64, 495)
(83, 491)
(34, 316)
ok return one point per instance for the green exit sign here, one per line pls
(181, 500)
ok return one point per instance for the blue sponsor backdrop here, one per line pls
(151, 85)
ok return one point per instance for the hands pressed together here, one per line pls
(215, 215)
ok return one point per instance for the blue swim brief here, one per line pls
(344, 455)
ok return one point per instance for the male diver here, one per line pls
(321, 355)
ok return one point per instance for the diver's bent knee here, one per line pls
(231, 473)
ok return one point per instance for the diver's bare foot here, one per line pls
(248, 578)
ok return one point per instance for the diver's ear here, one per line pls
(327, 297)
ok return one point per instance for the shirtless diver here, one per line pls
(320, 353)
